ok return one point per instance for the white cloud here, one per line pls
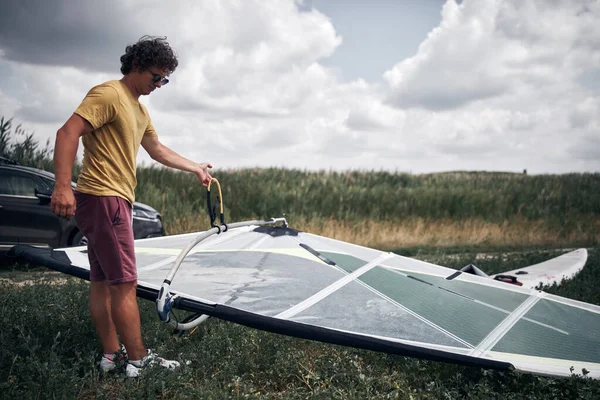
(586, 114)
(488, 48)
(497, 85)
(586, 148)
(8, 105)
(506, 79)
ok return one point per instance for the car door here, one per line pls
(25, 218)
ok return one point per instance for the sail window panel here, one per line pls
(262, 282)
(461, 316)
(496, 297)
(568, 333)
(356, 308)
(492, 296)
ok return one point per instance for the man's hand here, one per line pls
(203, 174)
(63, 202)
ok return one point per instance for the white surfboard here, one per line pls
(548, 272)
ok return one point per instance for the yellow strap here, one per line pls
(220, 194)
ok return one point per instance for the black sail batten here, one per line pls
(55, 260)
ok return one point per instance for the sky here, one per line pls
(413, 86)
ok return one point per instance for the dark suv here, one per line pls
(26, 217)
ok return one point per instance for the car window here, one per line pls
(16, 184)
(49, 182)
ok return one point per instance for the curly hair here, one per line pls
(149, 52)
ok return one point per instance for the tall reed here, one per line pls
(369, 207)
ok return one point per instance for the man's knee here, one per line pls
(123, 289)
(99, 289)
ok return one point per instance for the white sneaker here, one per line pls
(109, 363)
(151, 359)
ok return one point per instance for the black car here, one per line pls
(26, 216)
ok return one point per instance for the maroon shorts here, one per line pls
(106, 222)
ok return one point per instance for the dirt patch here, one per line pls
(32, 277)
(35, 281)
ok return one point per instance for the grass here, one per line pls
(380, 196)
(385, 210)
(374, 208)
(450, 233)
(48, 349)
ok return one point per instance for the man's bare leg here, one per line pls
(126, 317)
(100, 309)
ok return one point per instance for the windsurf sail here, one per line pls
(266, 275)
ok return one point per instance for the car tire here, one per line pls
(79, 240)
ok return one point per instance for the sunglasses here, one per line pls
(158, 78)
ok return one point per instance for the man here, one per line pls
(112, 124)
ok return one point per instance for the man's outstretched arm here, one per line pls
(164, 155)
(65, 150)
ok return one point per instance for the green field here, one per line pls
(48, 348)
(375, 208)
(389, 210)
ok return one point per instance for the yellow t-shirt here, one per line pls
(120, 122)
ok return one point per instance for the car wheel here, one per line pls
(79, 240)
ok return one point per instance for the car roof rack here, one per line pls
(4, 160)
